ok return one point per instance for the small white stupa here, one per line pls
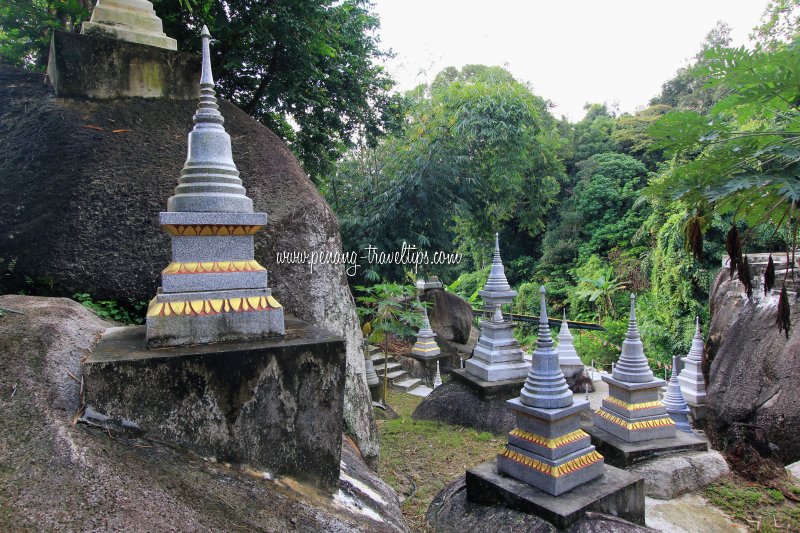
(568, 358)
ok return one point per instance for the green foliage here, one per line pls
(27, 25)
(308, 69)
(742, 157)
(131, 312)
(477, 154)
(679, 293)
(468, 284)
(388, 309)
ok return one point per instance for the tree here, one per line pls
(741, 158)
(478, 154)
(310, 70)
(26, 25)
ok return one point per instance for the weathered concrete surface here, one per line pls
(753, 376)
(80, 209)
(622, 454)
(56, 476)
(238, 401)
(95, 66)
(451, 512)
(615, 492)
(456, 403)
(690, 513)
(671, 476)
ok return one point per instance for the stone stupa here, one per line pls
(674, 402)
(692, 382)
(426, 339)
(632, 411)
(568, 359)
(213, 290)
(497, 355)
(134, 21)
(548, 449)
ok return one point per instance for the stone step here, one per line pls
(405, 385)
(422, 391)
(372, 349)
(397, 374)
(378, 358)
(391, 367)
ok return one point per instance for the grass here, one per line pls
(420, 457)
(758, 507)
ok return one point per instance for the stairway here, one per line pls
(399, 380)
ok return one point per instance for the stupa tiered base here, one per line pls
(622, 454)
(632, 411)
(497, 356)
(548, 449)
(615, 492)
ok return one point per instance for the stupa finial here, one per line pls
(207, 109)
(544, 324)
(496, 258)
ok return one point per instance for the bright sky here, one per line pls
(572, 52)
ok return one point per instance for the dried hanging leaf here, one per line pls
(769, 276)
(694, 236)
(734, 247)
(744, 277)
(784, 318)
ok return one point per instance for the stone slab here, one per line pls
(210, 248)
(216, 281)
(92, 66)
(504, 389)
(275, 404)
(578, 405)
(217, 219)
(212, 294)
(623, 454)
(616, 492)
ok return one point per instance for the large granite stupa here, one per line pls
(632, 410)
(497, 356)
(213, 290)
(548, 449)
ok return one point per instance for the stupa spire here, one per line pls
(568, 358)
(674, 401)
(545, 385)
(497, 275)
(209, 180)
(632, 366)
(692, 381)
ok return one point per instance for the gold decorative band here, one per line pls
(426, 349)
(644, 424)
(213, 267)
(209, 230)
(554, 471)
(633, 406)
(549, 443)
(212, 307)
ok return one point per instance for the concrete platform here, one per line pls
(274, 404)
(505, 389)
(616, 492)
(623, 454)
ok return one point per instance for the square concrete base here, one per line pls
(500, 371)
(504, 389)
(621, 454)
(274, 404)
(616, 493)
